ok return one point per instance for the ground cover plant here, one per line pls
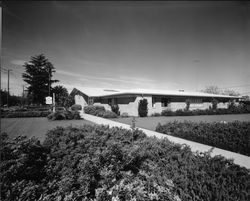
(101, 163)
(232, 136)
(99, 111)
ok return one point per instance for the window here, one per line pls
(196, 100)
(164, 102)
(91, 101)
(153, 102)
(110, 101)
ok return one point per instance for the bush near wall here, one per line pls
(143, 108)
(115, 109)
(99, 111)
(101, 163)
(182, 112)
(233, 136)
(76, 107)
(64, 115)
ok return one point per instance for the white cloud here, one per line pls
(63, 72)
(126, 82)
(17, 62)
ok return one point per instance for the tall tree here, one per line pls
(38, 74)
(61, 95)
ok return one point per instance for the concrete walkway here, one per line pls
(239, 159)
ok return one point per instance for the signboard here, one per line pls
(48, 100)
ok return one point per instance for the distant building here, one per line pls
(158, 100)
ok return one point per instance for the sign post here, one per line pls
(48, 100)
(54, 103)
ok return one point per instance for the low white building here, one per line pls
(158, 100)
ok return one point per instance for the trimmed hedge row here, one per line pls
(18, 114)
(232, 136)
(100, 163)
(99, 111)
(183, 112)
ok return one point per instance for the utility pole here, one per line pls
(49, 80)
(8, 87)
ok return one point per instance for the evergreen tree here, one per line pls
(38, 74)
(143, 108)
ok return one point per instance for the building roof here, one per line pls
(100, 92)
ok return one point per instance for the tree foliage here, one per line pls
(38, 74)
(61, 95)
(216, 90)
(13, 100)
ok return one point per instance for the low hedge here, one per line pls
(184, 112)
(64, 115)
(102, 163)
(232, 136)
(23, 114)
(99, 111)
(76, 107)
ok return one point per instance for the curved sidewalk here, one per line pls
(239, 159)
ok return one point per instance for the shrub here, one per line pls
(109, 114)
(76, 107)
(156, 114)
(23, 167)
(100, 163)
(124, 115)
(64, 115)
(167, 113)
(214, 103)
(99, 111)
(232, 136)
(26, 114)
(94, 109)
(115, 109)
(241, 109)
(143, 108)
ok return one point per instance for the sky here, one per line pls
(149, 45)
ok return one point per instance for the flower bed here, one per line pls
(101, 163)
(232, 136)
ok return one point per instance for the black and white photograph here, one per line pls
(125, 100)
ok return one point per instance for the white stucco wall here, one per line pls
(222, 105)
(80, 101)
(132, 107)
(176, 106)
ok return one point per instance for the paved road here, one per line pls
(151, 122)
(37, 127)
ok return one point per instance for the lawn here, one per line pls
(37, 126)
(151, 122)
